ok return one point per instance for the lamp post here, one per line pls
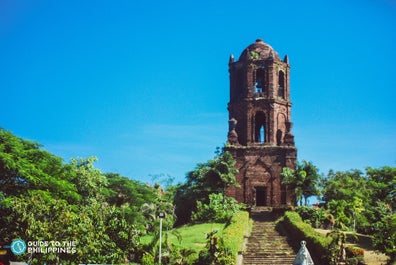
(161, 216)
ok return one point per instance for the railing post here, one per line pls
(303, 257)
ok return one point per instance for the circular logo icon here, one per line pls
(18, 247)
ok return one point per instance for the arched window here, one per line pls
(260, 81)
(259, 134)
(262, 134)
(281, 84)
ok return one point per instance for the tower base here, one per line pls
(259, 176)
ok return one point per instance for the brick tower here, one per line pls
(259, 136)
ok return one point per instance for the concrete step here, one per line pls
(265, 245)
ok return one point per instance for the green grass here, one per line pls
(192, 236)
(234, 233)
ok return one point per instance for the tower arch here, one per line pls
(281, 84)
(259, 127)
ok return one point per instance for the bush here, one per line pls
(220, 209)
(385, 239)
(224, 250)
(216, 252)
(147, 259)
(235, 232)
(298, 230)
(316, 217)
(352, 251)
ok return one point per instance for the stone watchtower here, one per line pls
(260, 137)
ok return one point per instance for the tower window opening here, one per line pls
(260, 81)
(262, 134)
(260, 128)
(258, 88)
(281, 84)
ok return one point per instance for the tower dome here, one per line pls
(258, 51)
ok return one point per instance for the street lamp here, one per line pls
(160, 216)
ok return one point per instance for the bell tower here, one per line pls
(259, 136)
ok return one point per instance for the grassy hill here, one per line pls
(191, 236)
(194, 237)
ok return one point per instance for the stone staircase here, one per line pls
(265, 245)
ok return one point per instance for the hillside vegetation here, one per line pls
(109, 218)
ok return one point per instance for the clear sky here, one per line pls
(143, 85)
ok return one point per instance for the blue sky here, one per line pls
(143, 85)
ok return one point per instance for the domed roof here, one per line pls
(259, 51)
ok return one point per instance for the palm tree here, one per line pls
(304, 180)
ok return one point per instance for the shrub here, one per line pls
(235, 231)
(298, 230)
(216, 252)
(352, 251)
(354, 255)
(385, 239)
(220, 209)
(224, 250)
(147, 259)
(317, 217)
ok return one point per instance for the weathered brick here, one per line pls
(260, 137)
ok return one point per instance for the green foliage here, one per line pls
(181, 255)
(216, 252)
(340, 252)
(24, 166)
(220, 209)
(330, 249)
(336, 246)
(355, 255)
(183, 243)
(42, 199)
(345, 186)
(338, 208)
(235, 232)
(37, 216)
(88, 180)
(317, 244)
(382, 182)
(254, 55)
(365, 202)
(317, 217)
(148, 259)
(303, 180)
(213, 176)
(122, 190)
(385, 238)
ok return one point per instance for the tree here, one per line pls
(38, 216)
(365, 202)
(89, 181)
(345, 186)
(123, 190)
(303, 180)
(24, 166)
(382, 182)
(385, 237)
(214, 176)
